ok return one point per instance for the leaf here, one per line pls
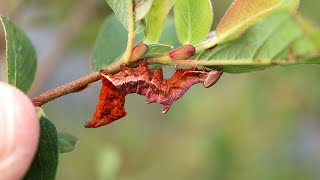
(21, 56)
(171, 3)
(110, 44)
(109, 164)
(167, 36)
(45, 163)
(260, 44)
(311, 60)
(243, 13)
(139, 26)
(193, 19)
(141, 8)
(121, 10)
(67, 142)
(154, 21)
(309, 43)
(158, 49)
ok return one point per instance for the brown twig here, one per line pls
(73, 86)
(83, 82)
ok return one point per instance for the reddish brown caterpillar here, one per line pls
(144, 81)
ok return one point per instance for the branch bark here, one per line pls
(73, 86)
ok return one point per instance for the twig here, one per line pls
(220, 62)
(73, 86)
(83, 82)
(131, 35)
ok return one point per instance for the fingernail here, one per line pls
(7, 123)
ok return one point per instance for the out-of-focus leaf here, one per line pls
(45, 163)
(21, 56)
(243, 13)
(141, 8)
(310, 60)
(262, 43)
(139, 26)
(171, 3)
(193, 19)
(110, 44)
(109, 163)
(158, 49)
(167, 36)
(121, 10)
(67, 142)
(154, 21)
(309, 43)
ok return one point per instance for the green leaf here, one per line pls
(167, 36)
(67, 142)
(311, 60)
(158, 49)
(45, 163)
(21, 56)
(260, 44)
(121, 10)
(193, 19)
(110, 44)
(243, 13)
(141, 8)
(154, 21)
(171, 3)
(109, 164)
(309, 43)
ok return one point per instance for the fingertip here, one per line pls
(19, 132)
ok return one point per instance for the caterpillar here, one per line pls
(146, 82)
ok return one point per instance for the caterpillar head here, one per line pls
(110, 106)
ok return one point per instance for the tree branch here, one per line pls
(83, 82)
(73, 86)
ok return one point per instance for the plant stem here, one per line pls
(219, 62)
(73, 86)
(83, 82)
(131, 35)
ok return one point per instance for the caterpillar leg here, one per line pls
(166, 108)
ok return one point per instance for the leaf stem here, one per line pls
(85, 81)
(131, 35)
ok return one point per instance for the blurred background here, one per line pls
(263, 125)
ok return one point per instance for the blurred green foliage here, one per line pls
(263, 125)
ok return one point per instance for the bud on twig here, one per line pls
(182, 52)
(138, 52)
